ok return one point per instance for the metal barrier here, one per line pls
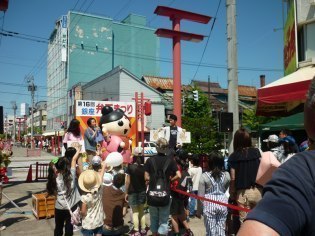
(33, 152)
(41, 172)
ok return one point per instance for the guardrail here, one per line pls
(41, 172)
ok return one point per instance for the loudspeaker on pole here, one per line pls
(226, 122)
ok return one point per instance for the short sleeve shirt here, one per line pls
(70, 137)
(288, 203)
(74, 196)
(246, 163)
(160, 160)
(137, 183)
(95, 213)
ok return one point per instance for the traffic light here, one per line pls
(196, 95)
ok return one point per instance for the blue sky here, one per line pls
(260, 48)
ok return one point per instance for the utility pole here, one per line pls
(32, 88)
(14, 107)
(232, 67)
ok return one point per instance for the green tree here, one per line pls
(197, 119)
(250, 120)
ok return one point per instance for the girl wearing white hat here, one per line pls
(92, 206)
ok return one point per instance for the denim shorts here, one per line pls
(91, 232)
(136, 199)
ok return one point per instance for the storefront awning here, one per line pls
(294, 122)
(282, 96)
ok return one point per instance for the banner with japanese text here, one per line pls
(289, 52)
(84, 109)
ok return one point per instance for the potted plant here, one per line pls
(4, 163)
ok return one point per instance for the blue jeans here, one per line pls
(91, 232)
(159, 219)
(192, 204)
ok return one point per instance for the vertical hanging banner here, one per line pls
(85, 109)
(64, 38)
(290, 63)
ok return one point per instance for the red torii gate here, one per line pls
(176, 16)
(4, 4)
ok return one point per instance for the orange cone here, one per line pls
(29, 177)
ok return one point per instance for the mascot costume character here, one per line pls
(115, 127)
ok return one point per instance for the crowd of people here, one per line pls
(101, 194)
(173, 188)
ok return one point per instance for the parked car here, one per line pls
(149, 148)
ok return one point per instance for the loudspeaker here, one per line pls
(1, 120)
(226, 122)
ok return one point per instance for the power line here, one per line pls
(75, 5)
(123, 8)
(166, 60)
(209, 35)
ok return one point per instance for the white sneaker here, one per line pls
(76, 228)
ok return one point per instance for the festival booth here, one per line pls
(285, 96)
(294, 122)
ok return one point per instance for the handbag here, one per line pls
(268, 164)
(75, 215)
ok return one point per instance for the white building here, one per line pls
(121, 85)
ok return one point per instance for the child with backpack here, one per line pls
(213, 185)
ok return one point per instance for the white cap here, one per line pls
(107, 179)
(96, 161)
(137, 151)
(272, 138)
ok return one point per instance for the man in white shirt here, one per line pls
(171, 133)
